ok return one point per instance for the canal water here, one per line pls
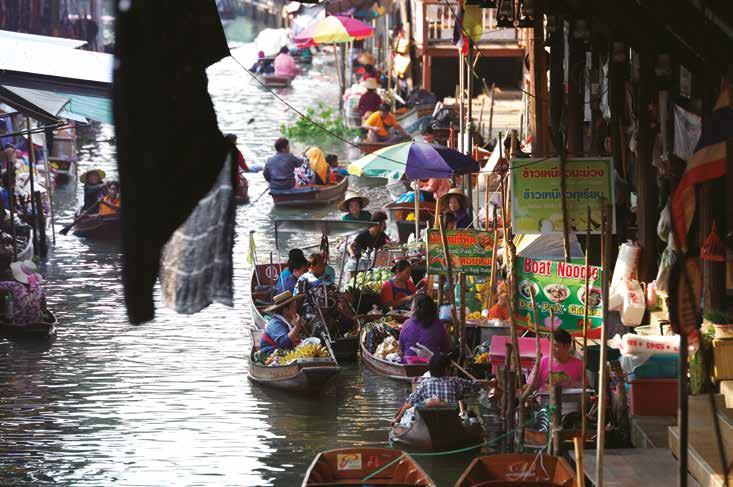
(168, 402)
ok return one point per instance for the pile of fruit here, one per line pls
(474, 315)
(372, 280)
(482, 358)
(287, 357)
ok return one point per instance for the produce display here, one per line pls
(482, 358)
(372, 280)
(287, 357)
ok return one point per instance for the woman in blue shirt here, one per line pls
(284, 326)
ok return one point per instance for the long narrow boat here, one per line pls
(310, 195)
(437, 429)
(43, 329)
(272, 81)
(350, 466)
(516, 470)
(306, 376)
(403, 372)
(99, 228)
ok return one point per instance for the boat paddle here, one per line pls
(261, 195)
(83, 213)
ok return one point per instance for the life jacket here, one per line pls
(105, 210)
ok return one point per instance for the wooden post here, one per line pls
(584, 419)
(556, 81)
(417, 209)
(578, 445)
(43, 242)
(683, 420)
(462, 319)
(491, 113)
(31, 170)
(49, 190)
(449, 269)
(602, 375)
(563, 197)
(551, 384)
(576, 98)
(492, 274)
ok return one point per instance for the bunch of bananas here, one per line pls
(482, 358)
(309, 350)
(475, 315)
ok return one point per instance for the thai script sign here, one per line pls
(536, 195)
(470, 251)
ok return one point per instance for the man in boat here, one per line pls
(383, 126)
(371, 238)
(285, 64)
(262, 65)
(567, 370)
(440, 389)
(280, 168)
(111, 204)
(289, 277)
(94, 187)
(284, 326)
(369, 101)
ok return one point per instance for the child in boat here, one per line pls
(111, 203)
(567, 370)
(440, 389)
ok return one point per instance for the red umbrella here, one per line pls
(334, 29)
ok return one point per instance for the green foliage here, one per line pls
(304, 129)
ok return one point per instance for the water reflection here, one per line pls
(168, 402)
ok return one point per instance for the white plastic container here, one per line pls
(627, 262)
(632, 312)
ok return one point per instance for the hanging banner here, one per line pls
(470, 251)
(558, 287)
(536, 202)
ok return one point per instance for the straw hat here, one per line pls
(453, 192)
(292, 7)
(21, 271)
(283, 299)
(366, 58)
(83, 177)
(370, 84)
(352, 195)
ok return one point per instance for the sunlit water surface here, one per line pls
(168, 402)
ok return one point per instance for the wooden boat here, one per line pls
(43, 329)
(403, 372)
(99, 228)
(346, 349)
(516, 470)
(350, 466)
(261, 294)
(272, 81)
(307, 376)
(437, 429)
(310, 195)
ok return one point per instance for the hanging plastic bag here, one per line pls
(669, 257)
(631, 344)
(664, 226)
(634, 306)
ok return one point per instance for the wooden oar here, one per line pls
(262, 194)
(84, 213)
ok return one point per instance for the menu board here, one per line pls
(470, 251)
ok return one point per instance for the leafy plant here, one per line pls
(324, 118)
(719, 317)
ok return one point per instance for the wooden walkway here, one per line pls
(634, 467)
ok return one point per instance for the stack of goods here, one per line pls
(307, 350)
(381, 338)
(372, 280)
(388, 350)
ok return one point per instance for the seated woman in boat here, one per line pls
(353, 205)
(318, 164)
(424, 328)
(297, 266)
(384, 127)
(567, 370)
(28, 298)
(316, 275)
(454, 201)
(397, 293)
(283, 328)
(285, 64)
(110, 205)
(94, 187)
(440, 389)
(370, 101)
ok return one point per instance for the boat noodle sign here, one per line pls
(536, 195)
(470, 251)
(558, 287)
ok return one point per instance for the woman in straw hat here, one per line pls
(454, 201)
(28, 298)
(353, 205)
(369, 101)
(284, 326)
(94, 186)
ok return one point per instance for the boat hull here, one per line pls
(33, 331)
(517, 469)
(401, 372)
(346, 349)
(349, 466)
(272, 81)
(312, 196)
(103, 228)
(437, 429)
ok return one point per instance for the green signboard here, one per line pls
(470, 251)
(536, 201)
(558, 287)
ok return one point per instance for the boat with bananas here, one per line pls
(307, 369)
(365, 466)
(45, 328)
(437, 429)
(518, 469)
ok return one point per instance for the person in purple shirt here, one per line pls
(424, 328)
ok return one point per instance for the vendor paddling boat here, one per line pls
(393, 370)
(305, 376)
(43, 329)
(310, 195)
(272, 81)
(517, 469)
(437, 429)
(351, 466)
(99, 228)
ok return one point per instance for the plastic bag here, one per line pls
(634, 307)
(664, 226)
(669, 257)
(631, 344)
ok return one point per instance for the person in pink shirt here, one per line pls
(567, 370)
(285, 64)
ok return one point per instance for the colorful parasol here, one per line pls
(415, 160)
(334, 29)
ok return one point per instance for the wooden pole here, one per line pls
(449, 269)
(646, 179)
(492, 274)
(462, 315)
(578, 444)
(563, 197)
(584, 419)
(491, 113)
(602, 375)
(417, 209)
(539, 144)
(554, 420)
(31, 169)
(49, 191)
(468, 142)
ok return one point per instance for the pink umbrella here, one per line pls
(334, 29)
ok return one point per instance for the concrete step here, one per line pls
(651, 431)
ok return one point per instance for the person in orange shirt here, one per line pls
(110, 205)
(383, 126)
(500, 311)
